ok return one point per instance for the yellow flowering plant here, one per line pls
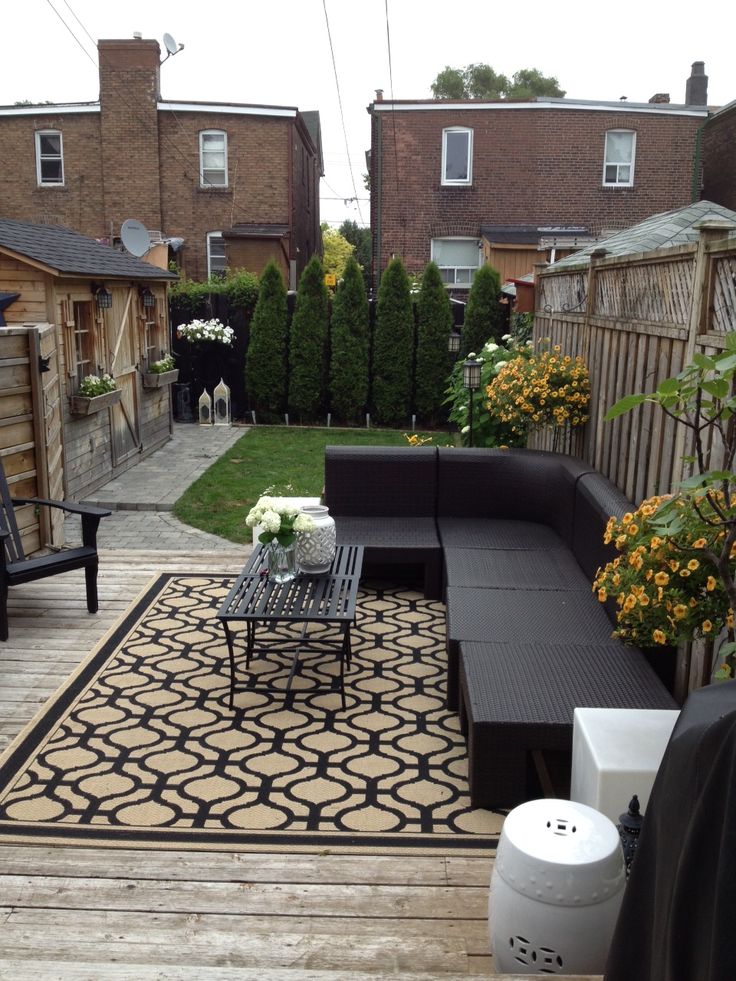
(546, 389)
(666, 587)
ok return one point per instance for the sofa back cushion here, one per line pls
(381, 480)
(524, 485)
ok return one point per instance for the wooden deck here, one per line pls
(89, 913)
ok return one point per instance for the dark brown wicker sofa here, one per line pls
(521, 537)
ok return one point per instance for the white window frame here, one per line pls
(40, 157)
(606, 164)
(454, 285)
(205, 181)
(465, 181)
(210, 270)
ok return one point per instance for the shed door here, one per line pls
(122, 334)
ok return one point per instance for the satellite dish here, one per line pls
(135, 237)
(170, 44)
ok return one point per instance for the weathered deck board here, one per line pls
(89, 914)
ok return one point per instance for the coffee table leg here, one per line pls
(250, 641)
(231, 652)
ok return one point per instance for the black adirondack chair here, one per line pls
(16, 568)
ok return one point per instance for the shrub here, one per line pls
(265, 363)
(308, 343)
(393, 343)
(434, 323)
(349, 341)
(483, 314)
(241, 289)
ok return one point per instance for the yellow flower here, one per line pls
(627, 518)
(700, 543)
(602, 595)
(710, 584)
(629, 603)
(684, 573)
(706, 626)
(633, 529)
(659, 637)
(661, 579)
(673, 564)
(693, 564)
(680, 611)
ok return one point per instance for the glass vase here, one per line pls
(281, 561)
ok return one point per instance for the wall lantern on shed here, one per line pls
(471, 381)
(147, 298)
(103, 296)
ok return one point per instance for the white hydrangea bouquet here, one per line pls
(206, 330)
(280, 520)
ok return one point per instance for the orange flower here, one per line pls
(659, 637)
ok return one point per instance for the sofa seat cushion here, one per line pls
(496, 533)
(385, 532)
(552, 568)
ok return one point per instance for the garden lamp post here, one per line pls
(471, 381)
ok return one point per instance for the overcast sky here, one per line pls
(279, 53)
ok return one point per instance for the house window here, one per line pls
(49, 157)
(458, 260)
(84, 360)
(457, 156)
(216, 258)
(213, 158)
(618, 164)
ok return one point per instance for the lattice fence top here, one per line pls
(565, 293)
(657, 292)
(724, 295)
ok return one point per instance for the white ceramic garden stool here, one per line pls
(315, 550)
(556, 889)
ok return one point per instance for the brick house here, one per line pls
(719, 157)
(225, 184)
(517, 183)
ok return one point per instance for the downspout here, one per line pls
(695, 189)
(376, 169)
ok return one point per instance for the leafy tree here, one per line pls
(349, 335)
(337, 250)
(434, 323)
(265, 363)
(393, 343)
(308, 343)
(483, 314)
(480, 81)
(361, 239)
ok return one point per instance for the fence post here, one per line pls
(595, 258)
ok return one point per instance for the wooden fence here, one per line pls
(637, 320)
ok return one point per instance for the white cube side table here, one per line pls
(615, 754)
(298, 502)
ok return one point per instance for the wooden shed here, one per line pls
(71, 307)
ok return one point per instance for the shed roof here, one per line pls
(668, 228)
(70, 253)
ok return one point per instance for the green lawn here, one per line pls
(270, 457)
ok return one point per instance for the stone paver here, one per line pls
(141, 499)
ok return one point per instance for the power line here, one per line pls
(339, 102)
(80, 24)
(393, 117)
(72, 32)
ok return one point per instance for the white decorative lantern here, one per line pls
(205, 409)
(222, 405)
(556, 889)
(315, 550)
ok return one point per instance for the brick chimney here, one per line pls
(696, 87)
(379, 95)
(129, 92)
(660, 97)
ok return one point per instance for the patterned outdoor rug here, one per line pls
(139, 747)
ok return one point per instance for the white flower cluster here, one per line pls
(206, 330)
(277, 517)
(92, 385)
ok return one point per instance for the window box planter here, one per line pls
(81, 405)
(152, 379)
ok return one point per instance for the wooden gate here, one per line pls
(125, 416)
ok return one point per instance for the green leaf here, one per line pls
(670, 386)
(718, 388)
(266, 537)
(624, 405)
(727, 363)
(703, 361)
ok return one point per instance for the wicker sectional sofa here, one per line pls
(511, 539)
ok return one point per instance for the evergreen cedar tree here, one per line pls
(483, 314)
(265, 363)
(434, 323)
(308, 344)
(349, 338)
(393, 343)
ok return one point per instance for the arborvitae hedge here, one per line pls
(265, 363)
(483, 314)
(434, 323)
(393, 347)
(308, 344)
(349, 342)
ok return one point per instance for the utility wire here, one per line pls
(342, 114)
(88, 55)
(94, 42)
(393, 116)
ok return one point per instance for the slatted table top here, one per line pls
(328, 598)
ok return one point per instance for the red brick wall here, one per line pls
(530, 166)
(719, 158)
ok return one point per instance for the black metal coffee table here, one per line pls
(328, 599)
